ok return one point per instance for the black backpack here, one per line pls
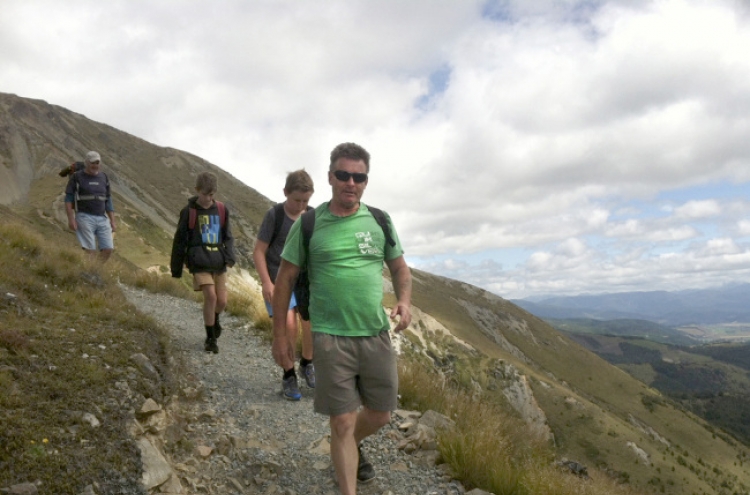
(299, 289)
(302, 287)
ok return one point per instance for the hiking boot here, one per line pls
(211, 346)
(365, 471)
(289, 388)
(309, 372)
(217, 327)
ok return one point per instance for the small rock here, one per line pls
(149, 407)
(203, 451)
(22, 489)
(91, 420)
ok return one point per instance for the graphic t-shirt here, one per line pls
(209, 226)
(345, 267)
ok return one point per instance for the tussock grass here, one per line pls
(152, 281)
(490, 448)
(249, 304)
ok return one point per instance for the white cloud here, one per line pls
(534, 127)
(698, 209)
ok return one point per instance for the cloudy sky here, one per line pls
(527, 147)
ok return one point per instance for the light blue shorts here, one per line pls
(292, 305)
(93, 230)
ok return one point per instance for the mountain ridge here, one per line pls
(724, 304)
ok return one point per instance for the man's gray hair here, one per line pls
(352, 151)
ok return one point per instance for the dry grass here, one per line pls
(490, 448)
(249, 304)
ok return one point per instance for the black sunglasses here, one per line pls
(344, 176)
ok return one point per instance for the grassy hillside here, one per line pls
(710, 381)
(595, 409)
(66, 340)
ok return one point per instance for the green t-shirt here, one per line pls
(345, 267)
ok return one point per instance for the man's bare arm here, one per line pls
(401, 278)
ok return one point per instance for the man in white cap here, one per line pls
(88, 203)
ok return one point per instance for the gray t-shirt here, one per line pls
(273, 255)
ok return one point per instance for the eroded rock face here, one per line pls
(517, 390)
(514, 385)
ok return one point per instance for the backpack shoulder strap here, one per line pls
(222, 213)
(308, 225)
(383, 222)
(278, 217)
(192, 214)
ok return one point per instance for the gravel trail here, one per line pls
(260, 442)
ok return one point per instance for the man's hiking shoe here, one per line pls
(290, 390)
(211, 346)
(309, 372)
(365, 471)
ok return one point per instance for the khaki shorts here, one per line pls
(206, 278)
(354, 371)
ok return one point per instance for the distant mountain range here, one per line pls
(727, 304)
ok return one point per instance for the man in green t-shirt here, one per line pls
(354, 361)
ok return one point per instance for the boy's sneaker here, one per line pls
(289, 388)
(211, 346)
(365, 471)
(309, 372)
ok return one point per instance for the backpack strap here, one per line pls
(193, 215)
(308, 225)
(222, 213)
(383, 222)
(278, 216)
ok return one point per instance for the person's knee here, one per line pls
(209, 294)
(343, 424)
(378, 418)
(221, 300)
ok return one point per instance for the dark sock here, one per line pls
(217, 326)
(289, 372)
(209, 331)
(304, 362)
